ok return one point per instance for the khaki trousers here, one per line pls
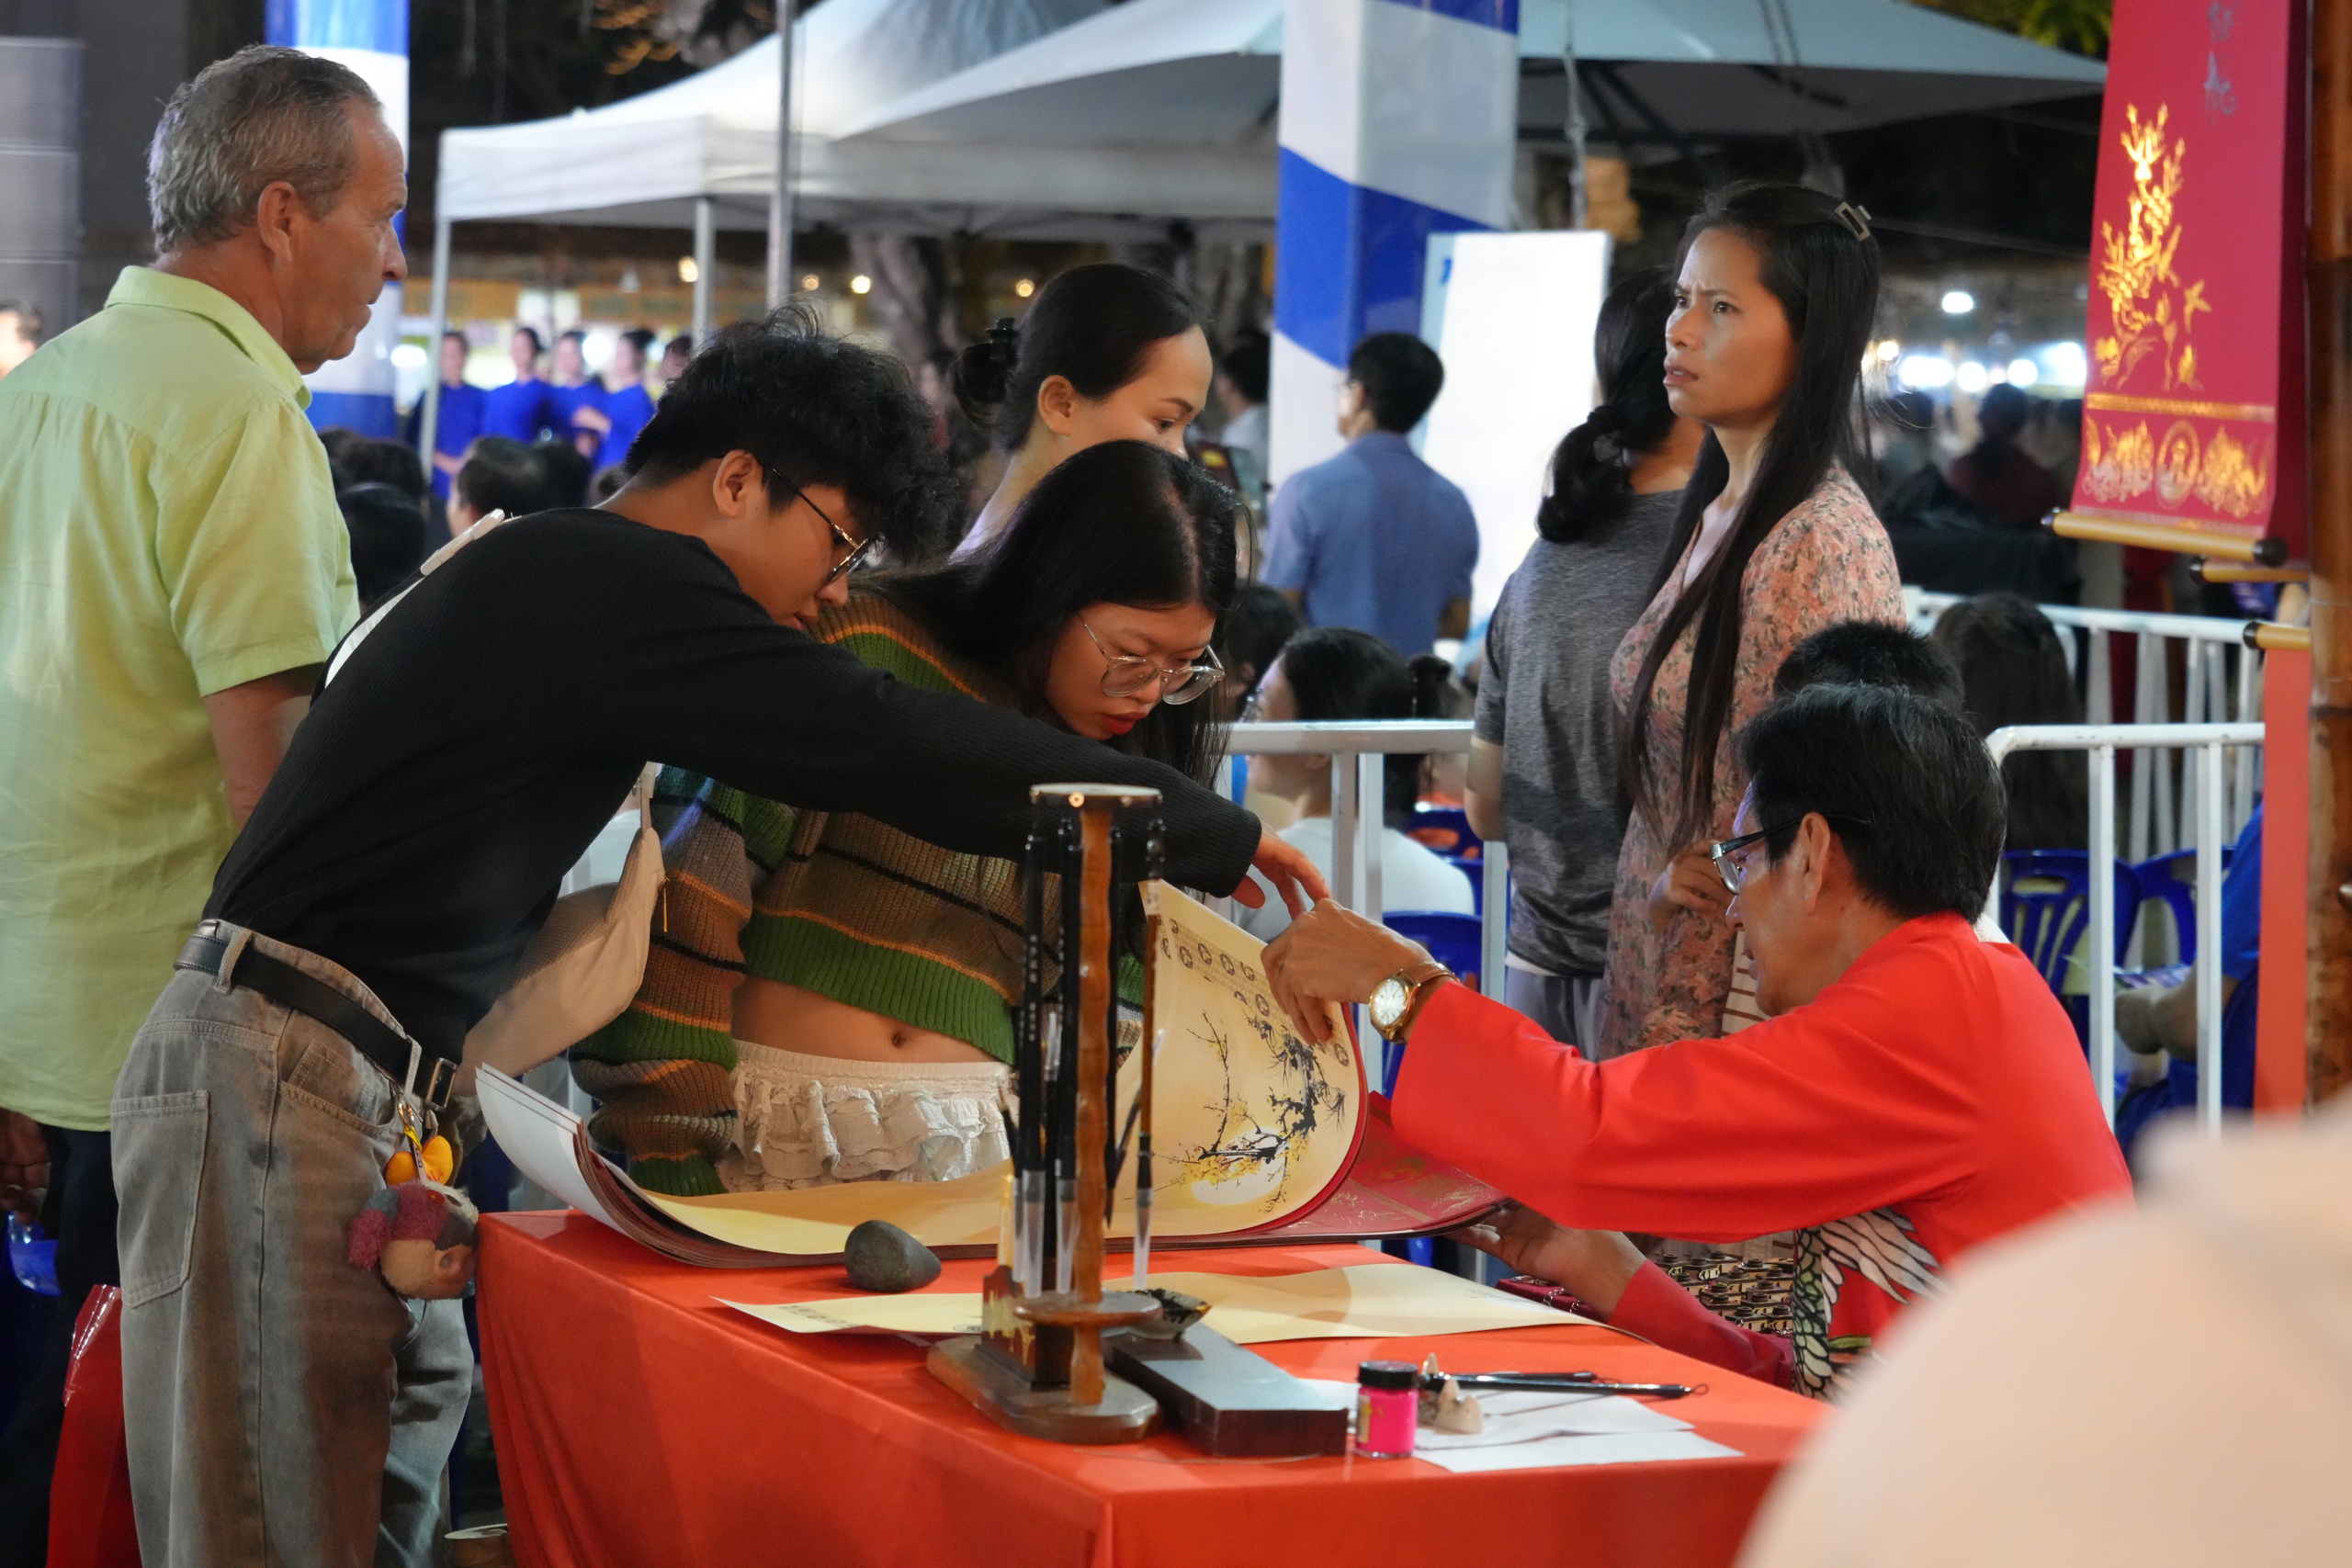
(282, 1406)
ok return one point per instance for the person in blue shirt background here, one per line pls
(574, 390)
(625, 405)
(458, 420)
(524, 408)
(2161, 1021)
(1375, 538)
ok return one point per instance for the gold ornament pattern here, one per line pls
(2232, 480)
(2148, 307)
(2119, 463)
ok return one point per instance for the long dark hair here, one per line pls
(1120, 522)
(1820, 264)
(1094, 326)
(1338, 673)
(1592, 468)
(2012, 671)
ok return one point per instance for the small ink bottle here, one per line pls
(1388, 1406)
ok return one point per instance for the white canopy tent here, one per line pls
(1069, 118)
(1082, 120)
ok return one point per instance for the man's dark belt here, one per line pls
(399, 1057)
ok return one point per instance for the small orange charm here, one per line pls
(440, 1159)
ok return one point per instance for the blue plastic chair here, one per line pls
(1446, 829)
(2046, 907)
(2171, 880)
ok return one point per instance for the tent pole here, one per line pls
(428, 429)
(2328, 270)
(780, 198)
(1573, 127)
(705, 247)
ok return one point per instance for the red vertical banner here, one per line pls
(2192, 415)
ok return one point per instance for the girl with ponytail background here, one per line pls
(1544, 759)
(1108, 352)
(1338, 673)
(1773, 306)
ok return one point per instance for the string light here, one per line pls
(688, 271)
(861, 284)
(1026, 288)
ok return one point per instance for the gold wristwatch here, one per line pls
(1398, 1000)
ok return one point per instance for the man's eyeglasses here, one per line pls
(1731, 864)
(1127, 674)
(856, 548)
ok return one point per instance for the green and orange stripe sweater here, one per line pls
(833, 902)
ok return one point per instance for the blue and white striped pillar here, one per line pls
(370, 37)
(1399, 121)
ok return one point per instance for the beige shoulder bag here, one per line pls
(584, 966)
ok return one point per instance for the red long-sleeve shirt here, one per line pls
(1932, 1097)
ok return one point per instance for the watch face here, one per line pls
(1388, 1002)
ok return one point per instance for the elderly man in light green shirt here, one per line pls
(173, 573)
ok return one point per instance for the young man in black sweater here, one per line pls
(460, 757)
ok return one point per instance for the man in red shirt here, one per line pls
(1913, 1093)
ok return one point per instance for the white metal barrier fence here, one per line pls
(2211, 831)
(2221, 684)
(1359, 751)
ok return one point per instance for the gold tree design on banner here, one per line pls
(2148, 307)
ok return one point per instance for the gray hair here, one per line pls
(242, 125)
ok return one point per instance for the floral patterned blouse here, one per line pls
(1828, 561)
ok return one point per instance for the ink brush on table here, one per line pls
(1570, 1383)
(1554, 1383)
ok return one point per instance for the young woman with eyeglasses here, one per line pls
(1773, 309)
(830, 999)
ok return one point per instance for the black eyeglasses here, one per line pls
(1734, 872)
(856, 547)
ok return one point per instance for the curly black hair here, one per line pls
(815, 409)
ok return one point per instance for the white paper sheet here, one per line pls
(536, 1135)
(1606, 1448)
(1535, 1430)
(1372, 1301)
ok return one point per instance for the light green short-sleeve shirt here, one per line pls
(167, 530)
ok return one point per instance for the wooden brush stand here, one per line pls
(1038, 1368)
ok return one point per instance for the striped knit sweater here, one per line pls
(832, 902)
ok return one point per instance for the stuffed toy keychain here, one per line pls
(418, 1233)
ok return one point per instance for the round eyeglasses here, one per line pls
(1128, 674)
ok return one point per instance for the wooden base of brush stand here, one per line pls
(1004, 1394)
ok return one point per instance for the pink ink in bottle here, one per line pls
(1388, 1405)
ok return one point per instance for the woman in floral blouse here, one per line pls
(1773, 309)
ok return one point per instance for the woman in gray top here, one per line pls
(1543, 761)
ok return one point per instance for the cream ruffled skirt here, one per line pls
(813, 1121)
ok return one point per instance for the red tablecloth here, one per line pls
(640, 1423)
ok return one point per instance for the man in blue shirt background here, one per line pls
(1375, 538)
(2160, 1022)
